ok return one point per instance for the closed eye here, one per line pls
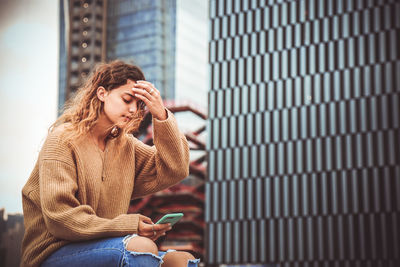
(127, 98)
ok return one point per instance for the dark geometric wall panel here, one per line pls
(304, 133)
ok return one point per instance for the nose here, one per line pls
(133, 107)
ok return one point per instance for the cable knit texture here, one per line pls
(73, 195)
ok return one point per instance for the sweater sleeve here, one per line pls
(164, 164)
(65, 217)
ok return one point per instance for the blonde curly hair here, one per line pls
(82, 111)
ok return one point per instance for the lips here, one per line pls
(127, 118)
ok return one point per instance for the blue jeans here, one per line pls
(105, 252)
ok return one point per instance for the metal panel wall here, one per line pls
(304, 135)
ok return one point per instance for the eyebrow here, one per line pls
(129, 94)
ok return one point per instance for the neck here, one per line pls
(101, 131)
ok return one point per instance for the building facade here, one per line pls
(143, 32)
(166, 38)
(82, 43)
(303, 147)
(11, 233)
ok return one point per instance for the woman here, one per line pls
(76, 200)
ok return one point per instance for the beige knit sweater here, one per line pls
(72, 195)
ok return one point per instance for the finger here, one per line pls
(147, 234)
(154, 230)
(158, 236)
(140, 82)
(141, 91)
(162, 227)
(155, 235)
(145, 219)
(143, 98)
(149, 87)
(146, 228)
(156, 227)
(144, 93)
(148, 231)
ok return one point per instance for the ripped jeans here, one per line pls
(105, 252)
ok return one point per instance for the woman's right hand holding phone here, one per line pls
(150, 230)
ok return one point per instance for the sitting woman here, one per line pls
(76, 200)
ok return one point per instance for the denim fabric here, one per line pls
(105, 252)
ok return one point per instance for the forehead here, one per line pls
(125, 87)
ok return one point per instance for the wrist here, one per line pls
(162, 116)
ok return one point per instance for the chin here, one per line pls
(122, 124)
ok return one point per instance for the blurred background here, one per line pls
(291, 109)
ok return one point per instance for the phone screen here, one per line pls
(171, 218)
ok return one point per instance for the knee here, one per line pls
(186, 255)
(142, 244)
(178, 258)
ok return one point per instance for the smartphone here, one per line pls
(171, 218)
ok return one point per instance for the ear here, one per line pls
(101, 93)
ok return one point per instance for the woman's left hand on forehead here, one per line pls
(147, 92)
